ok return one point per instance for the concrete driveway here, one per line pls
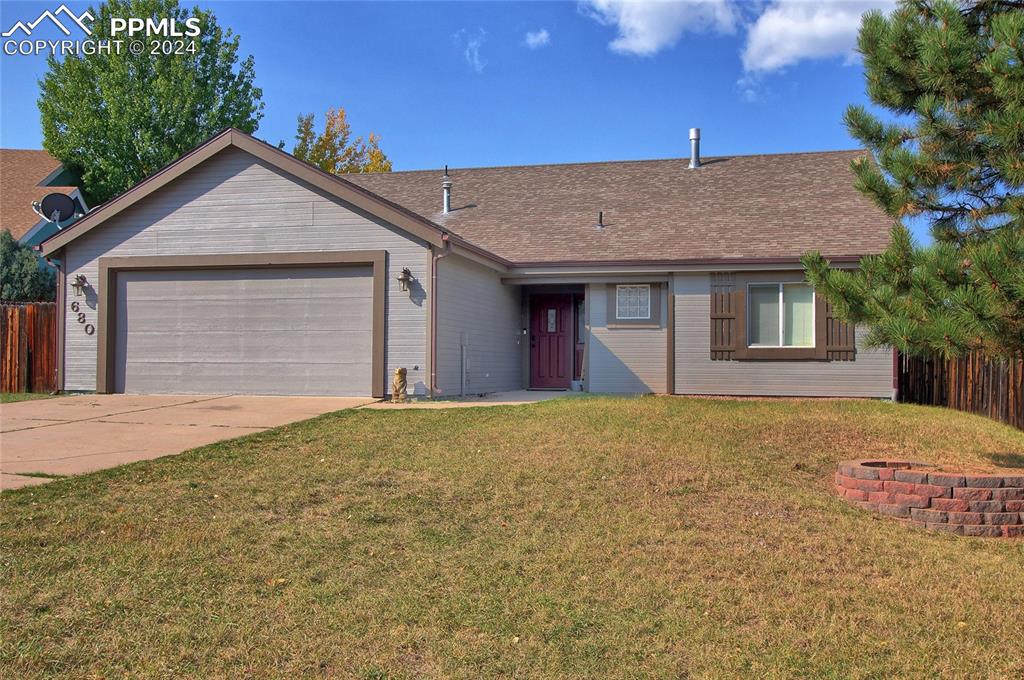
(72, 435)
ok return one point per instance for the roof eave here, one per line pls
(564, 271)
(361, 198)
(668, 264)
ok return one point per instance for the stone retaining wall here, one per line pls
(919, 494)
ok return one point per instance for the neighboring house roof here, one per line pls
(24, 174)
(737, 207)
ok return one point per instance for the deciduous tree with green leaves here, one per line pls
(114, 119)
(334, 150)
(22, 278)
(952, 156)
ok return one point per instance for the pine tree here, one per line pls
(952, 76)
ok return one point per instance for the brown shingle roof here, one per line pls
(769, 206)
(21, 171)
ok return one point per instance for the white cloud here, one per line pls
(648, 26)
(789, 32)
(535, 39)
(750, 89)
(470, 44)
(779, 33)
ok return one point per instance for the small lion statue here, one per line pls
(399, 386)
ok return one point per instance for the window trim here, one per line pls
(650, 301)
(656, 319)
(741, 352)
(781, 285)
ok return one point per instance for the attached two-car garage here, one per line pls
(287, 323)
(285, 330)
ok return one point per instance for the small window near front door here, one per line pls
(581, 320)
(552, 320)
(633, 302)
(580, 339)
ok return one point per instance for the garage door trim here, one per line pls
(109, 267)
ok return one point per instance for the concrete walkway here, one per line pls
(77, 434)
(492, 399)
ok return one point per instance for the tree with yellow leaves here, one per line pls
(334, 150)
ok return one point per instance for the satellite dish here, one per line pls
(57, 207)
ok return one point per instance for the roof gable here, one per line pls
(333, 185)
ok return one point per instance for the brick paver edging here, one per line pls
(920, 495)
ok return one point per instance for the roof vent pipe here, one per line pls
(694, 148)
(446, 186)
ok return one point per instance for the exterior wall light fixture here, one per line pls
(79, 284)
(404, 279)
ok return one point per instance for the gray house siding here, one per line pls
(870, 375)
(625, 360)
(235, 203)
(476, 311)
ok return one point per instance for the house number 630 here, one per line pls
(88, 327)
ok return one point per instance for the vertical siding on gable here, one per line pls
(476, 309)
(235, 203)
(625, 360)
(870, 375)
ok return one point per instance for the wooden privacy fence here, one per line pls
(974, 383)
(28, 347)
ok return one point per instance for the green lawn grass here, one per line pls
(11, 397)
(592, 537)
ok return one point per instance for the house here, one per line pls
(239, 268)
(27, 175)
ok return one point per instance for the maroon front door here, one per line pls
(551, 341)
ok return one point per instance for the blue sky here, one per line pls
(488, 83)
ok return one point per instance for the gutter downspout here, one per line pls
(432, 388)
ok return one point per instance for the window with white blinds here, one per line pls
(780, 315)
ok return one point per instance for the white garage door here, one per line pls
(296, 330)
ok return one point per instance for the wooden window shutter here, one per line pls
(835, 340)
(840, 338)
(726, 314)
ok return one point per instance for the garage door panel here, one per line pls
(302, 330)
(226, 346)
(298, 278)
(351, 290)
(264, 317)
(211, 378)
